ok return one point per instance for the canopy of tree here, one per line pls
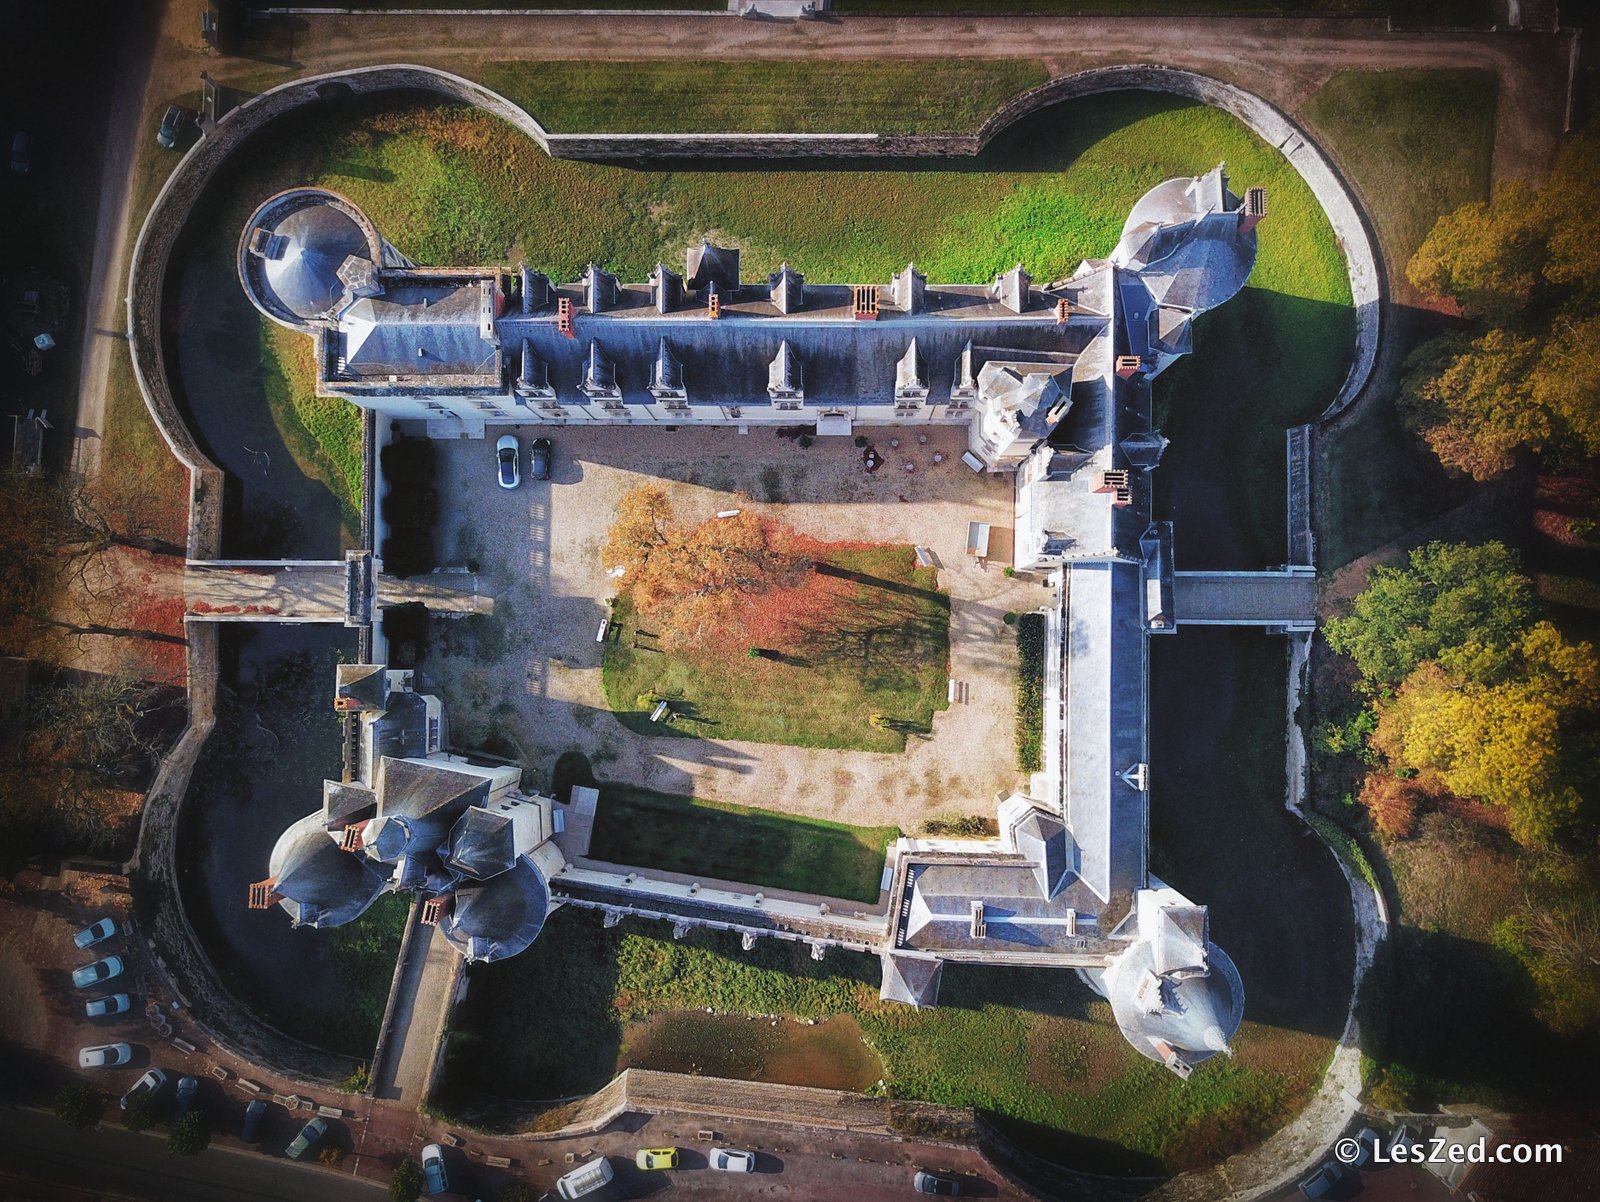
(1526, 269)
(692, 580)
(1475, 695)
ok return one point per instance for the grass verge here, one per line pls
(735, 843)
(883, 650)
(322, 433)
(902, 96)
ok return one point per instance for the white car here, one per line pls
(97, 932)
(100, 970)
(103, 1007)
(434, 1178)
(146, 1086)
(731, 1160)
(105, 1055)
(508, 461)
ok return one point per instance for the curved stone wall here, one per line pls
(152, 253)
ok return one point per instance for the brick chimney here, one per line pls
(1129, 366)
(1253, 209)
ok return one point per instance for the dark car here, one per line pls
(1324, 1181)
(22, 153)
(310, 1136)
(540, 458)
(254, 1114)
(187, 1088)
(173, 124)
(935, 1183)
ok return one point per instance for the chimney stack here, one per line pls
(1253, 209)
(1129, 366)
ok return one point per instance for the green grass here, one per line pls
(1416, 144)
(734, 843)
(322, 433)
(953, 95)
(1030, 691)
(1030, 1047)
(885, 651)
(364, 954)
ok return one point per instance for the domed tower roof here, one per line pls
(318, 883)
(1190, 242)
(499, 917)
(1175, 1019)
(293, 247)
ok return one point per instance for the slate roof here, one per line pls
(413, 790)
(364, 683)
(1197, 1017)
(913, 980)
(481, 843)
(302, 264)
(499, 917)
(417, 329)
(321, 885)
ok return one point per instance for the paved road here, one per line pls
(109, 1162)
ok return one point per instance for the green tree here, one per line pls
(406, 1184)
(78, 1105)
(1485, 256)
(190, 1135)
(1473, 400)
(1468, 607)
(139, 1114)
(520, 1191)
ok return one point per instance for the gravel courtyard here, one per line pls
(527, 683)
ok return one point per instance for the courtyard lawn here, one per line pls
(696, 96)
(1030, 691)
(883, 649)
(642, 828)
(1030, 1048)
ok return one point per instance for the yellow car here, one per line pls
(656, 1158)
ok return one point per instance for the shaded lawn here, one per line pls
(885, 649)
(1031, 1048)
(954, 95)
(1416, 144)
(642, 828)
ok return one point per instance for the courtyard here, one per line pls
(527, 681)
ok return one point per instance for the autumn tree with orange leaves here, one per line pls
(692, 581)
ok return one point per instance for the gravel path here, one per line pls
(536, 679)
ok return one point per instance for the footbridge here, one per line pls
(348, 591)
(1283, 601)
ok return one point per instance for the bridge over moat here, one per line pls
(349, 591)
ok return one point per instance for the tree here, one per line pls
(1485, 256)
(190, 1135)
(406, 1184)
(1466, 606)
(1473, 400)
(1520, 739)
(643, 516)
(139, 1114)
(694, 581)
(78, 1105)
(520, 1191)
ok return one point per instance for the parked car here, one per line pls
(540, 458)
(173, 124)
(1324, 1181)
(254, 1114)
(656, 1158)
(434, 1180)
(187, 1088)
(146, 1086)
(935, 1183)
(508, 460)
(1405, 1138)
(731, 1160)
(95, 932)
(585, 1179)
(310, 1135)
(105, 1055)
(100, 970)
(1366, 1147)
(101, 1007)
(22, 153)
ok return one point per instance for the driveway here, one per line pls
(532, 687)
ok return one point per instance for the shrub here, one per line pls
(406, 1184)
(78, 1105)
(331, 1157)
(1393, 804)
(139, 1114)
(1030, 692)
(1009, 617)
(358, 1080)
(806, 440)
(861, 440)
(1584, 528)
(189, 1135)
(520, 1191)
(968, 826)
(1008, 571)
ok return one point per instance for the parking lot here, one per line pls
(529, 685)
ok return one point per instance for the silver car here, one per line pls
(105, 1055)
(103, 1007)
(100, 970)
(732, 1160)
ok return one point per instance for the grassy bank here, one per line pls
(1030, 1047)
(735, 843)
(322, 433)
(1030, 691)
(900, 96)
(881, 648)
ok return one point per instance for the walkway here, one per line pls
(1278, 599)
(318, 590)
(418, 1009)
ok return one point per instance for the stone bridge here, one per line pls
(350, 591)
(1282, 601)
